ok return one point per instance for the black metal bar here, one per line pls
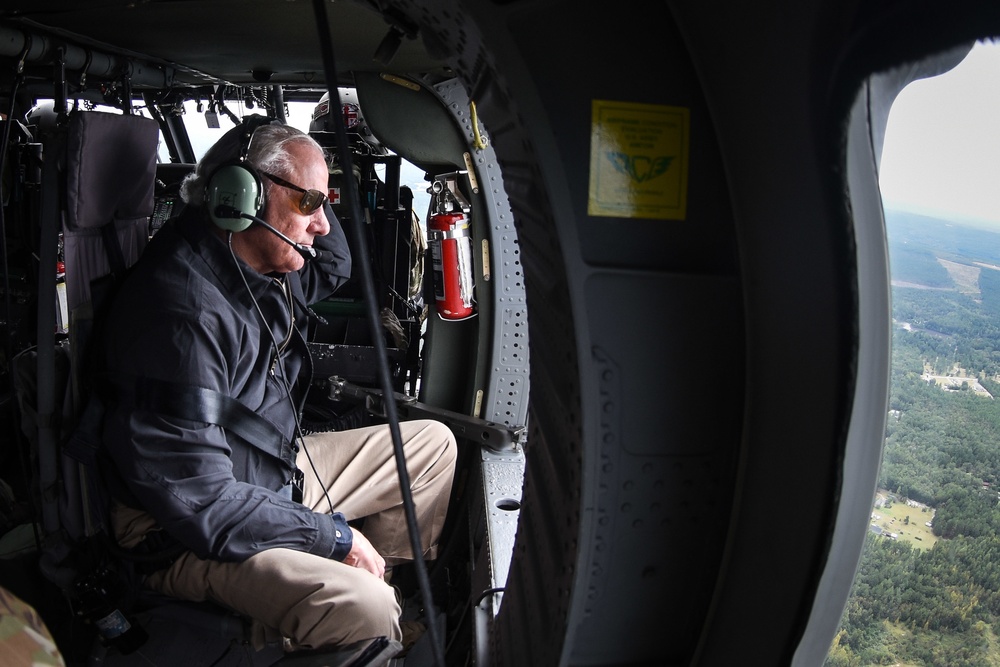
(374, 321)
(499, 438)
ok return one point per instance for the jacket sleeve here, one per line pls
(320, 279)
(181, 471)
(192, 494)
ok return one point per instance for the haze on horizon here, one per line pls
(941, 155)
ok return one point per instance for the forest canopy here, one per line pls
(941, 605)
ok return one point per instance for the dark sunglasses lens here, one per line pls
(311, 200)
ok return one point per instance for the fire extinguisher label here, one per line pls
(438, 268)
(464, 250)
(451, 261)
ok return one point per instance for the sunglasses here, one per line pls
(311, 199)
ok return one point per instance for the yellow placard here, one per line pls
(638, 160)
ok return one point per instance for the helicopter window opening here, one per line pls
(203, 134)
(299, 115)
(926, 589)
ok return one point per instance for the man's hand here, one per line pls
(364, 556)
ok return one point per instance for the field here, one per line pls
(908, 522)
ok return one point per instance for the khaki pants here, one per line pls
(313, 601)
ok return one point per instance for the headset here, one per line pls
(236, 186)
(235, 198)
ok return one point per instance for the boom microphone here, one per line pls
(307, 252)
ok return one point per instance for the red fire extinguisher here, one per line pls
(451, 256)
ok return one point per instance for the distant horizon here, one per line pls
(942, 140)
(944, 216)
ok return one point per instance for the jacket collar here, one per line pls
(197, 230)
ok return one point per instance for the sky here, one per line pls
(941, 154)
(942, 145)
(299, 115)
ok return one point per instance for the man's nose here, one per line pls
(318, 224)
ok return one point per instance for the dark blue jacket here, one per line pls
(184, 315)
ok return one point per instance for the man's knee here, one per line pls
(378, 610)
(314, 602)
(449, 438)
(430, 444)
(367, 611)
(440, 437)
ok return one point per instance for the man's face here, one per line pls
(264, 251)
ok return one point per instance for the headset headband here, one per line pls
(250, 125)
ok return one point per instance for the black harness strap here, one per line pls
(206, 405)
(113, 249)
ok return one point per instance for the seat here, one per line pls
(343, 344)
(104, 164)
(107, 171)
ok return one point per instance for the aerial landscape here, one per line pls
(928, 588)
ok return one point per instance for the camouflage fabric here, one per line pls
(24, 639)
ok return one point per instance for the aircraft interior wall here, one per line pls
(698, 366)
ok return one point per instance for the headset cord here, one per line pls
(278, 366)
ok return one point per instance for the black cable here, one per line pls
(488, 591)
(8, 338)
(280, 375)
(218, 661)
(374, 322)
(465, 611)
(8, 323)
(18, 79)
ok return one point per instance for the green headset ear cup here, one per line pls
(237, 186)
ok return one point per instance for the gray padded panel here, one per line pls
(110, 173)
